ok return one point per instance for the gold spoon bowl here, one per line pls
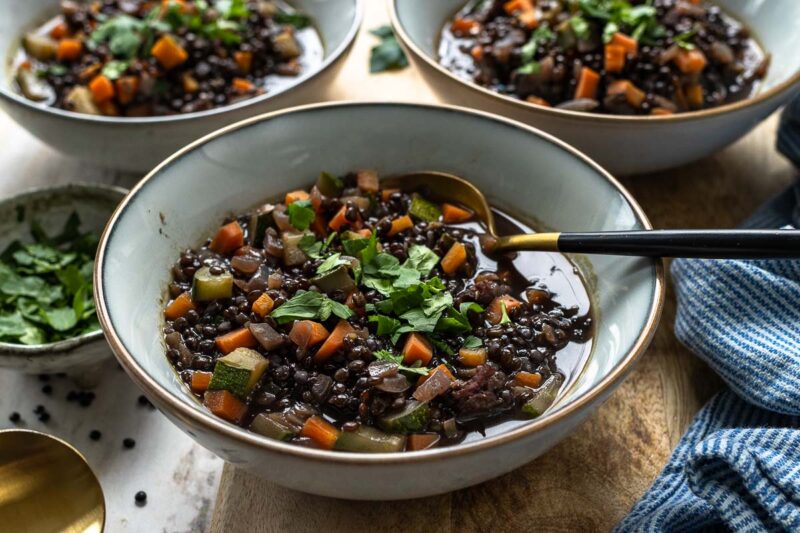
(46, 486)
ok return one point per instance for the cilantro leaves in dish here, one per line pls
(301, 215)
(309, 305)
(46, 286)
(388, 55)
(385, 355)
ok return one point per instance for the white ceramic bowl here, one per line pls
(139, 144)
(623, 145)
(521, 169)
(51, 206)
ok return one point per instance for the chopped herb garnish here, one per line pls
(472, 343)
(114, 69)
(684, 39)
(505, 318)
(301, 215)
(388, 55)
(385, 355)
(309, 305)
(298, 20)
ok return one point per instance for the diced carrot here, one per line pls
(242, 86)
(321, 432)
(240, 338)
(462, 26)
(228, 239)
(366, 233)
(417, 348)
(691, 61)
(316, 198)
(102, 89)
(168, 52)
(263, 305)
(421, 441)
(307, 333)
(587, 84)
(340, 219)
(69, 49)
(292, 197)
(334, 342)
(185, 8)
(695, 95)
(528, 379)
(494, 313)
(127, 86)
(537, 101)
(633, 95)
(614, 58)
(452, 214)
(454, 258)
(441, 368)
(472, 356)
(476, 52)
(59, 31)
(399, 224)
(200, 381)
(516, 6)
(26, 64)
(319, 226)
(244, 60)
(386, 193)
(630, 44)
(179, 306)
(225, 405)
(661, 111)
(367, 181)
(528, 19)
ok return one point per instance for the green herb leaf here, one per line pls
(541, 35)
(309, 305)
(301, 215)
(298, 20)
(422, 259)
(385, 355)
(580, 27)
(382, 32)
(684, 39)
(61, 319)
(387, 326)
(331, 263)
(115, 68)
(472, 343)
(505, 319)
(388, 55)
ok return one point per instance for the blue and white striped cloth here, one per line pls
(738, 466)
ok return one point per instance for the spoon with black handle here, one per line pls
(710, 244)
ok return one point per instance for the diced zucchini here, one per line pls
(543, 397)
(260, 220)
(413, 418)
(80, 100)
(206, 286)
(238, 372)
(329, 185)
(369, 440)
(40, 47)
(292, 254)
(424, 209)
(361, 202)
(264, 425)
(338, 279)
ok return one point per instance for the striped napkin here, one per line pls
(738, 466)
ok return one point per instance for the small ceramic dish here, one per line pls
(50, 207)
(138, 144)
(522, 171)
(622, 144)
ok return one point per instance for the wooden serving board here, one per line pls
(590, 480)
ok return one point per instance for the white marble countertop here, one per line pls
(180, 478)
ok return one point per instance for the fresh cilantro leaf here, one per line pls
(61, 319)
(388, 55)
(301, 215)
(580, 27)
(541, 35)
(472, 343)
(385, 355)
(505, 319)
(331, 263)
(232, 9)
(122, 33)
(609, 30)
(684, 39)
(441, 346)
(114, 69)
(467, 307)
(387, 325)
(382, 32)
(310, 246)
(309, 305)
(298, 20)
(422, 259)
(72, 279)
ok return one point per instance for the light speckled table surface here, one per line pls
(585, 483)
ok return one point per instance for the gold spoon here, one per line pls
(46, 485)
(715, 244)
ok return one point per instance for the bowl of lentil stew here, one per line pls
(670, 81)
(165, 218)
(124, 83)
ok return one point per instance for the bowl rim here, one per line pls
(28, 351)
(181, 409)
(332, 58)
(627, 120)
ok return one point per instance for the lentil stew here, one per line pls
(623, 57)
(139, 58)
(363, 319)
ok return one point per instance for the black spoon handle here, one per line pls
(711, 244)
